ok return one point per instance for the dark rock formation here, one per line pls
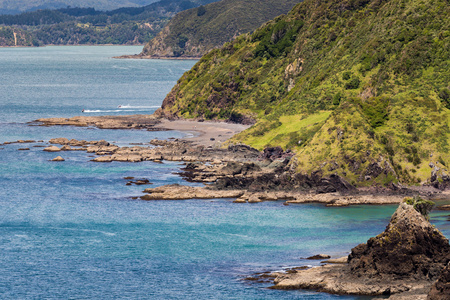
(319, 256)
(409, 247)
(405, 259)
(273, 153)
(441, 289)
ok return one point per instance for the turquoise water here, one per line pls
(72, 231)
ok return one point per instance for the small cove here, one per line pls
(71, 230)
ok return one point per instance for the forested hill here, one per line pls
(19, 6)
(194, 32)
(74, 26)
(356, 88)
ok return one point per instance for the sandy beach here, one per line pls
(203, 133)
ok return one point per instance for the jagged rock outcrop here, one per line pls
(406, 258)
(409, 247)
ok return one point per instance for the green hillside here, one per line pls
(194, 32)
(358, 88)
(10, 36)
(18, 6)
(79, 26)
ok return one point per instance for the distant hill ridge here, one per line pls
(18, 6)
(77, 25)
(194, 32)
(356, 88)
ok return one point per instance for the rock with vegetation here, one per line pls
(194, 32)
(357, 89)
(409, 247)
(405, 259)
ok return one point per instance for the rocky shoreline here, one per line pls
(254, 176)
(238, 172)
(404, 262)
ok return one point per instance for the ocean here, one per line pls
(72, 230)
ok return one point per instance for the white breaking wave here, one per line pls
(99, 110)
(122, 108)
(132, 106)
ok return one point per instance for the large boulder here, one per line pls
(410, 247)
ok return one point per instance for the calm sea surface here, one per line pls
(70, 230)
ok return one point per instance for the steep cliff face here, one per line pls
(194, 32)
(359, 89)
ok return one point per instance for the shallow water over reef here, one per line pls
(71, 230)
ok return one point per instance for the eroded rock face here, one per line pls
(441, 289)
(410, 247)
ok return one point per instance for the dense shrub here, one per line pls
(352, 84)
(423, 206)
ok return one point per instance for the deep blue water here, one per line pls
(70, 230)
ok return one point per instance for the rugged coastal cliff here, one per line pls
(357, 89)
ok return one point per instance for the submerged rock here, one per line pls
(58, 158)
(319, 256)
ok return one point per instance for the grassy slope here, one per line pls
(356, 87)
(191, 33)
